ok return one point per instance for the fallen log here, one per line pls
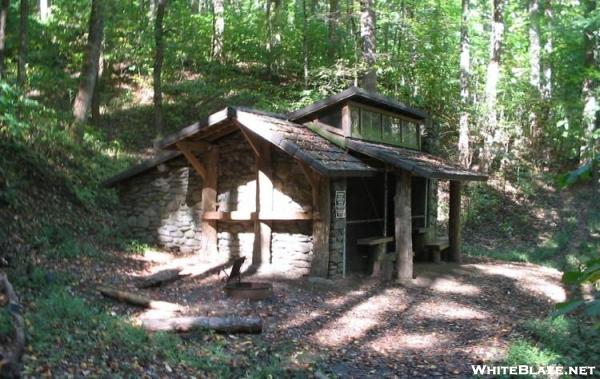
(137, 300)
(161, 277)
(226, 324)
(10, 361)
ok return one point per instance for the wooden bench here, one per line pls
(436, 247)
(377, 248)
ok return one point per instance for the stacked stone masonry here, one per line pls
(162, 207)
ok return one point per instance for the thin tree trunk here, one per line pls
(591, 106)
(96, 98)
(491, 85)
(159, 50)
(22, 60)
(305, 43)
(3, 17)
(273, 30)
(534, 67)
(332, 34)
(548, 49)
(465, 72)
(218, 30)
(367, 32)
(44, 6)
(89, 72)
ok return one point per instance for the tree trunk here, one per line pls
(137, 300)
(218, 30)
(491, 84)
(403, 227)
(548, 49)
(305, 43)
(96, 98)
(10, 360)
(22, 60)
(273, 32)
(332, 34)
(44, 6)
(591, 106)
(161, 277)
(3, 17)
(534, 68)
(159, 50)
(89, 72)
(225, 324)
(465, 72)
(367, 33)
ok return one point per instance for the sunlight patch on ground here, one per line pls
(448, 310)
(542, 281)
(447, 285)
(360, 319)
(399, 341)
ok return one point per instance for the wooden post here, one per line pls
(346, 121)
(321, 225)
(264, 202)
(454, 222)
(209, 201)
(403, 227)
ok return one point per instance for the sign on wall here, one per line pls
(340, 204)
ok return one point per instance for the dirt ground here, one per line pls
(450, 318)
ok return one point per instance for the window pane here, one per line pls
(355, 121)
(371, 125)
(410, 134)
(392, 131)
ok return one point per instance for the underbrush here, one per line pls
(559, 342)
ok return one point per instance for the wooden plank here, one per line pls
(372, 241)
(321, 225)
(209, 202)
(229, 216)
(195, 146)
(252, 216)
(403, 227)
(454, 227)
(199, 167)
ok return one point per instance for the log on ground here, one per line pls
(10, 360)
(225, 324)
(137, 300)
(161, 277)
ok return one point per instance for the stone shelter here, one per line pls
(340, 186)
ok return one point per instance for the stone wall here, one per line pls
(162, 206)
(291, 241)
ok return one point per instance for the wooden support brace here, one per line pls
(199, 167)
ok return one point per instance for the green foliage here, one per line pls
(136, 247)
(589, 274)
(6, 327)
(555, 341)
